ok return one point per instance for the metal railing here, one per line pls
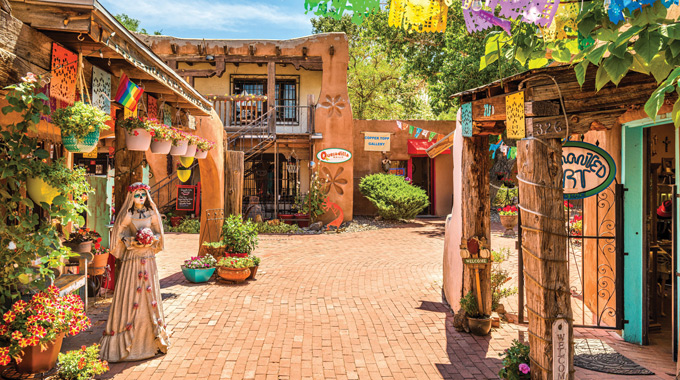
(163, 191)
(254, 137)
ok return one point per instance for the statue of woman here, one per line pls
(136, 327)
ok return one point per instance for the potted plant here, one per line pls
(479, 324)
(80, 125)
(50, 181)
(254, 264)
(192, 145)
(161, 143)
(234, 269)
(508, 216)
(82, 239)
(183, 173)
(215, 249)
(202, 148)
(101, 258)
(180, 142)
(199, 269)
(515, 362)
(83, 364)
(175, 220)
(239, 236)
(138, 133)
(35, 329)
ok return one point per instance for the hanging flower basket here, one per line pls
(203, 146)
(201, 154)
(184, 174)
(180, 149)
(86, 145)
(186, 161)
(161, 146)
(40, 191)
(191, 151)
(138, 140)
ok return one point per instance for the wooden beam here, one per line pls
(45, 17)
(309, 63)
(541, 108)
(233, 182)
(22, 49)
(555, 126)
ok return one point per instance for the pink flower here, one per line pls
(524, 368)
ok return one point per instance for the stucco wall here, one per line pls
(366, 163)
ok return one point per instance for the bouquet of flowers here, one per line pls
(144, 236)
(205, 262)
(508, 211)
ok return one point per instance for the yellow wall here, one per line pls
(310, 81)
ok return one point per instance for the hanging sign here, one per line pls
(466, 119)
(186, 198)
(334, 155)
(514, 108)
(561, 345)
(377, 141)
(587, 170)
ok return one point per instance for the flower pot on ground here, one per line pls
(101, 258)
(238, 235)
(138, 133)
(34, 360)
(254, 264)
(508, 215)
(80, 125)
(240, 255)
(287, 218)
(199, 269)
(40, 191)
(175, 220)
(479, 324)
(234, 269)
(516, 362)
(302, 220)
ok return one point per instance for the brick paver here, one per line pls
(343, 306)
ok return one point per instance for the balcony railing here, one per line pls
(289, 119)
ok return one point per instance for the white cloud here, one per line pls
(209, 15)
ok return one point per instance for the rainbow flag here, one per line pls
(128, 93)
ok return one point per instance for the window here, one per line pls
(286, 98)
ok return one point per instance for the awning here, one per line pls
(421, 146)
(442, 146)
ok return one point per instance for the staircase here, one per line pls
(166, 189)
(255, 137)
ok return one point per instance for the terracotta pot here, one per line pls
(287, 218)
(84, 247)
(479, 326)
(180, 149)
(201, 154)
(253, 272)
(302, 223)
(40, 191)
(98, 264)
(175, 221)
(36, 361)
(233, 274)
(228, 254)
(509, 222)
(191, 151)
(86, 145)
(138, 140)
(161, 146)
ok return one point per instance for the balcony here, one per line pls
(235, 115)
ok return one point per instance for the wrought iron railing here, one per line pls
(164, 193)
(255, 137)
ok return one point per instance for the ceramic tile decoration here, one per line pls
(514, 108)
(101, 89)
(64, 73)
(466, 119)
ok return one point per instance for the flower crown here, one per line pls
(140, 186)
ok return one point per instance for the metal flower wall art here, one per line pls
(334, 182)
(334, 105)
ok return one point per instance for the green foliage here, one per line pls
(214, 244)
(506, 196)
(238, 235)
(132, 24)
(235, 262)
(469, 305)
(83, 364)
(30, 246)
(277, 228)
(499, 277)
(312, 203)
(256, 260)
(188, 226)
(394, 198)
(80, 119)
(513, 357)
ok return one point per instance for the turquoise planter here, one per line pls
(86, 145)
(198, 275)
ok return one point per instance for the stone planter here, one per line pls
(509, 222)
(197, 275)
(161, 146)
(479, 326)
(35, 360)
(138, 140)
(180, 148)
(233, 274)
(40, 191)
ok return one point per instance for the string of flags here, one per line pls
(419, 132)
(509, 151)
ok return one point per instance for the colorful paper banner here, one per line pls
(514, 111)
(466, 119)
(64, 72)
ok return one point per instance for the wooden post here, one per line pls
(546, 269)
(271, 94)
(276, 180)
(233, 177)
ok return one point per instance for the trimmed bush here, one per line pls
(394, 197)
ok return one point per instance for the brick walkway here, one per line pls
(350, 306)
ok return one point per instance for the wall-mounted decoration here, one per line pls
(151, 107)
(335, 209)
(410, 129)
(64, 73)
(336, 8)
(514, 110)
(191, 122)
(377, 141)
(466, 119)
(167, 115)
(419, 15)
(432, 136)
(101, 89)
(418, 131)
(334, 155)
(334, 181)
(587, 169)
(334, 105)
(128, 93)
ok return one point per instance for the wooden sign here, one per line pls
(489, 109)
(475, 260)
(334, 155)
(377, 141)
(186, 198)
(515, 126)
(587, 170)
(466, 119)
(561, 346)
(440, 146)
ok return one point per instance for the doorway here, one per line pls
(420, 170)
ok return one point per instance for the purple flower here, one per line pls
(524, 368)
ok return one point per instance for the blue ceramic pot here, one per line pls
(198, 275)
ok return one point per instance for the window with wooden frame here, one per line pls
(287, 97)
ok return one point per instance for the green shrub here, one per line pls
(499, 277)
(393, 197)
(506, 196)
(469, 305)
(238, 235)
(281, 228)
(188, 226)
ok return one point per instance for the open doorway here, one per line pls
(420, 171)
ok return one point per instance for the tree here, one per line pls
(132, 24)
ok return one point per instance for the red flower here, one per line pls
(33, 340)
(4, 329)
(136, 133)
(17, 335)
(5, 359)
(9, 316)
(83, 347)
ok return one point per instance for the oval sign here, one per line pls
(587, 170)
(334, 155)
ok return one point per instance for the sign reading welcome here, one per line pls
(377, 141)
(588, 170)
(334, 155)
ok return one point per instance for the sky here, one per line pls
(213, 19)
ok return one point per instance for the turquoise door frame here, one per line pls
(632, 177)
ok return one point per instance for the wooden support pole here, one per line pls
(233, 177)
(546, 269)
(271, 93)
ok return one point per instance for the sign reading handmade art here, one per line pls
(587, 170)
(377, 141)
(419, 15)
(64, 73)
(186, 198)
(101, 89)
(151, 107)
(561, 345)
(466, 119)
(128, 93)
(514, 116)
(334, 155)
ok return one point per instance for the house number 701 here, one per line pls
(488, 110)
